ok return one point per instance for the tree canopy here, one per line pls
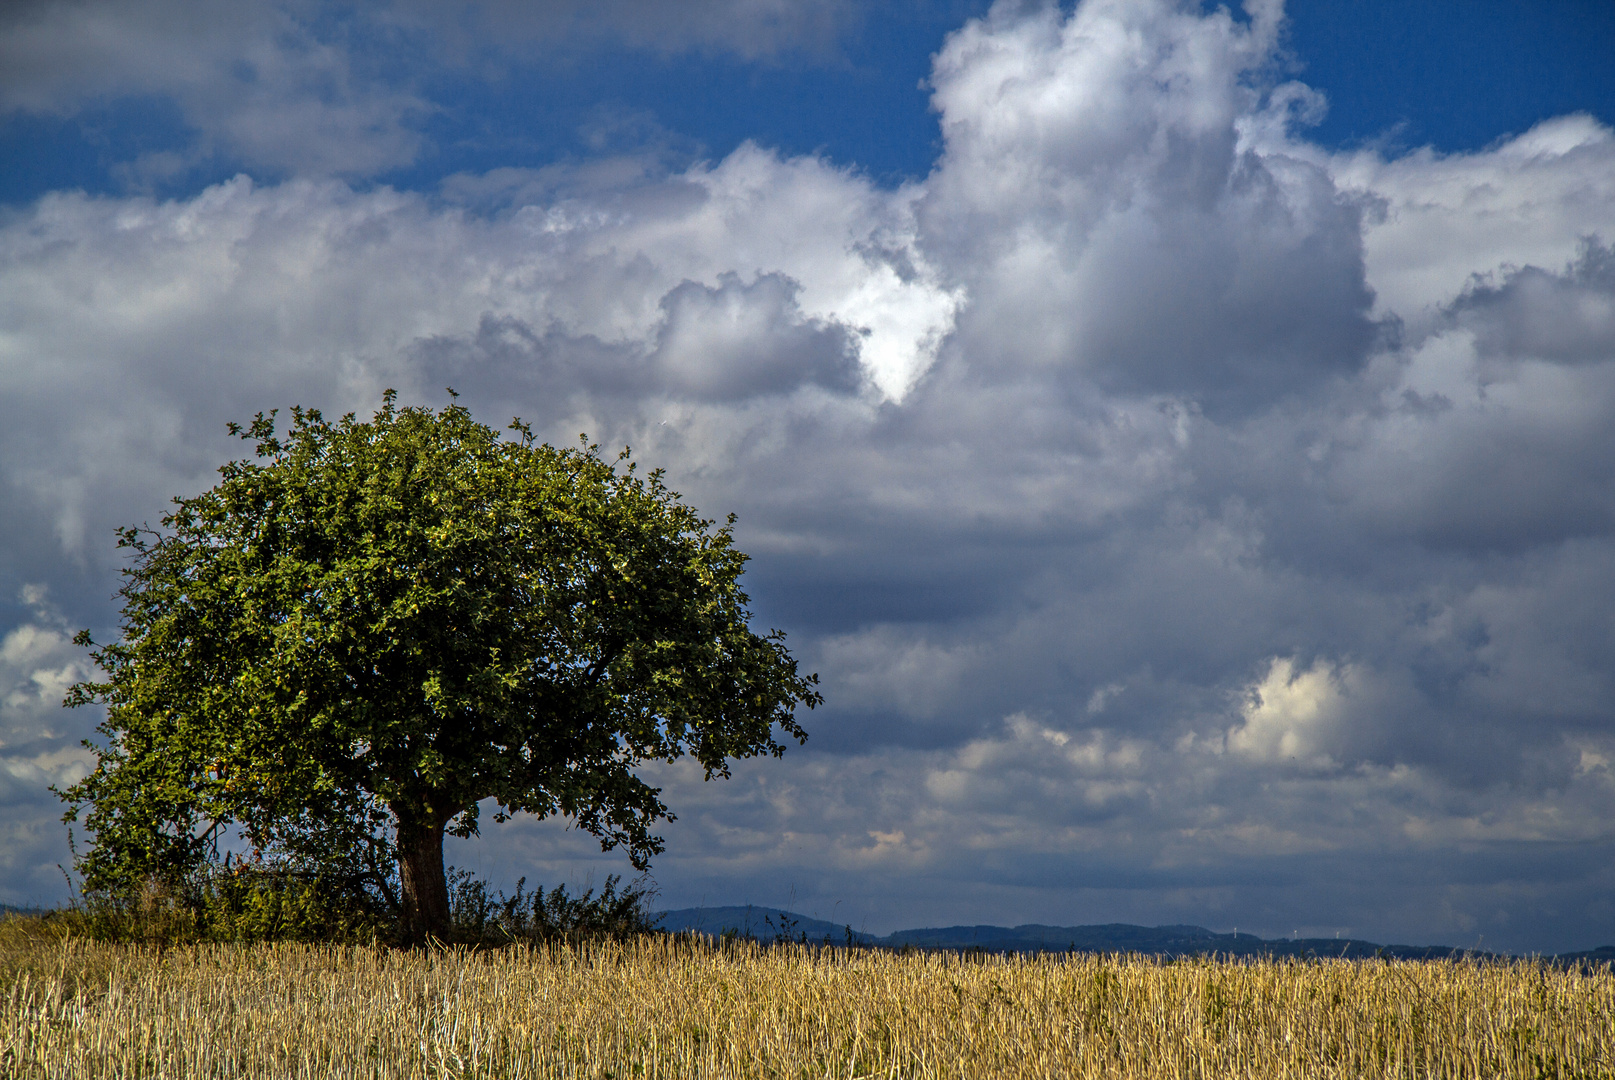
(353, 639)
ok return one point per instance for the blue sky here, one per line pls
(1403, 75)
(1178, 437)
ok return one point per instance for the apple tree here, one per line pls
(358, 636)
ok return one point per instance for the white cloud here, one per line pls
(1443, 218)
(133, 329)
(1291, 715)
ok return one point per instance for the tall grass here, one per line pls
(658, 1007)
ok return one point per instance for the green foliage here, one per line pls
(252, 902)
(346, 644)
(237, 903)
(246, 902)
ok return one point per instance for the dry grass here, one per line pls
(79, 1009)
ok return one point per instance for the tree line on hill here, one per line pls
(771, 925)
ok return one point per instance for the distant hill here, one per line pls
(1154, 940)
(769, 924)
(762, 923)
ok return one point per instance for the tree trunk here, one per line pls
(426, 889)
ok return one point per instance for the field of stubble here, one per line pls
(659, 1008)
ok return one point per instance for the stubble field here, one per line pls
(663, 1008)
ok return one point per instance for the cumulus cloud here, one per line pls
(1326, 717)
(1184, 520)
(1290, 714)
(1096, 175)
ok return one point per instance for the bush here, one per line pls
(238, 901)
(276, 903)
(480, 917)
(261, 900)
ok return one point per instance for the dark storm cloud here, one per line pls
(1183, 520)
